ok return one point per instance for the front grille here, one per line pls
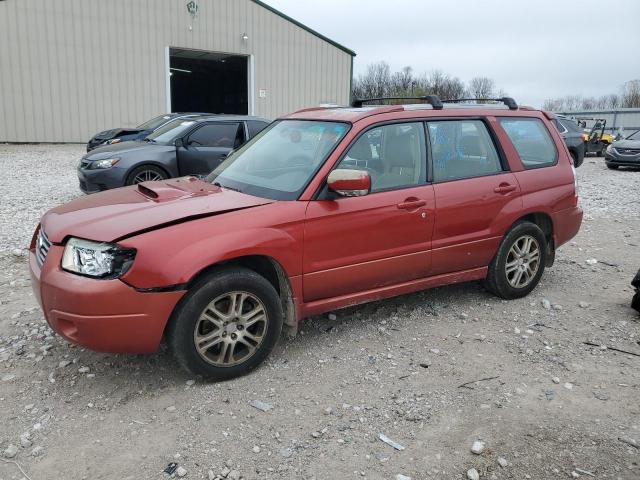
(42, 247)
(628, 151)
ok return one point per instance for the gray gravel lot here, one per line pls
(551, 406)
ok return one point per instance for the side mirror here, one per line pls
(179, 142)
(349, 183)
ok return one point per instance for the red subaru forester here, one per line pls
(326, 208)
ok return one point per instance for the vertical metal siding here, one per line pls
(70, 68)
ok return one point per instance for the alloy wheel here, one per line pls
(230, 329)
(523, 261)
(147, 176)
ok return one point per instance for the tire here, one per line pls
(145, 173)
(207, 311)
(498, 281)
(576, 160)
(612, 167)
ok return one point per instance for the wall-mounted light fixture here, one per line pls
(245, 37)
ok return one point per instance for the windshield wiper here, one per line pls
(218, 184)
(149, 140)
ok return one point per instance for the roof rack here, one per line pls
(433, 100)
(508, 101)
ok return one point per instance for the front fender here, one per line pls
(174, 255)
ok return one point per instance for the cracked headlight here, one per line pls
(95, 259)
(103, 164)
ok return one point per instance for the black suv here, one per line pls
(193, 145)
(571, 133)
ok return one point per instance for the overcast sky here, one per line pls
(534, 49)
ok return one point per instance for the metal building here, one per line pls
(626, 118)
(70, 68)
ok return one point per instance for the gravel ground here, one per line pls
(548, 406)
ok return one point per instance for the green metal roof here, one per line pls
(303, 26)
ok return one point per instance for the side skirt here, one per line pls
(325, 305)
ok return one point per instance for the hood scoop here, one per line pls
(160, 191)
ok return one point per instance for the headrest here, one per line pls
(398, 151)
(361, 150)
(471, 146)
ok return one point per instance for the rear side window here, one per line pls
(255, 127)
(462, 149)
(531, 140)
(561, 128)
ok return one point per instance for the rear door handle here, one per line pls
(504, 188)
(412, 204)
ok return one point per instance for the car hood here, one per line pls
(627, 144)
(123, 212)
(114, 132)
(122, 148)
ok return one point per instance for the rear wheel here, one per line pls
(146, 173)
(519, 263)
(227, 325)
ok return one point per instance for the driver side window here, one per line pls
(393, 155)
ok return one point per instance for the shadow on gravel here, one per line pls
(426, 303)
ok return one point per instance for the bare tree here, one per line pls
(613, 100)
(481, 87)
(573, 102)
(375, 83)
(402, 82)
(440, 84)
(554, 105)
(379, 81)
(628, 98)
(588, 103)
(631, 94)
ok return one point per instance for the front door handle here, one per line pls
(504, 188)
(411, 204)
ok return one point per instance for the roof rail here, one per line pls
(433, 100)
(508, 101)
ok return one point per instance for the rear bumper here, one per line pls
(566, 224)
(102, 315)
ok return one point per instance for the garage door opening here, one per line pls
(208, 82)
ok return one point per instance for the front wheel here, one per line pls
(146, 173)
(519, 263)
(226, 325)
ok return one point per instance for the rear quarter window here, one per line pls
(571, 125)
(531, 140)
(255, 127)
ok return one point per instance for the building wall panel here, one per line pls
(70, 68)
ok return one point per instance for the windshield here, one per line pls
(280, 161)
(634, 136)
(169, 132)
(154, 122)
